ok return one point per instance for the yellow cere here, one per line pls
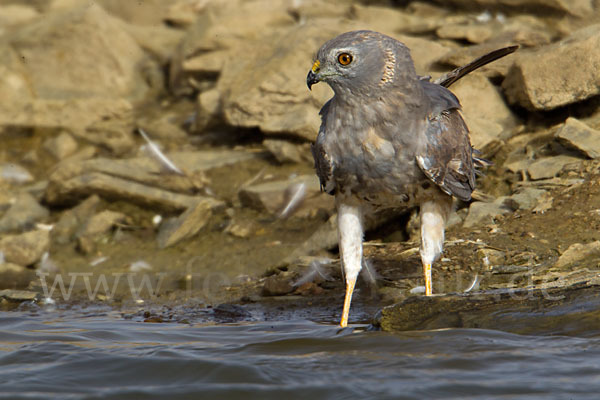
(316, 66)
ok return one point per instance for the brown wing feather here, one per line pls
(323, 168)
(447, 157)
(323, 163)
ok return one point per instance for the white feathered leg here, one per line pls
(434, 214)
(350, 233)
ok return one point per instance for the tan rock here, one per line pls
(263, 90)
(23, 213)
(549, 167)
(484, 109)
(26, 248)
(391, 20)
(147, 12)
(187, 225)
(284, 151)
(81, 52)
(484, 213)
(546, 78)
(574, 7)
(472, 32)
(578, 253)
(61, 146)
(114, 188)
(101, 223)
(274, 196)
(227, 26)
(463, 55)
(576, 135)
(15, 276)
(70, 220)
(105, 122)
(16, 14)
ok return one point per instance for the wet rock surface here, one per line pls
(222, 205)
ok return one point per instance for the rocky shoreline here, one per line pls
(237, 217)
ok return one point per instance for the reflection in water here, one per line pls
(100, 355)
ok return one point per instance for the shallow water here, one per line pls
(98, 354)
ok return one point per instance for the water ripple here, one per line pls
(103, 356)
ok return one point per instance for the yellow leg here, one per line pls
(349, 289)
(427, 273)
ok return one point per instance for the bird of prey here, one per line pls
(390, 138)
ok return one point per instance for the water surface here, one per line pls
(98, 354)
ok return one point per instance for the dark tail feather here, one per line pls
(457, 73)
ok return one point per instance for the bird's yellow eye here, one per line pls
(345, 58)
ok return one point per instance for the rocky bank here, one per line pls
(159, 152)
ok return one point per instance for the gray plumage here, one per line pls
(390, 139)
(386, 132)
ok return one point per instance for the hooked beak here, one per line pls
(313, 75)
(311, 79)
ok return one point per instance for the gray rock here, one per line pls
(482, 213)
(25, 248)
(186, 225)
(61, 146)
(14, 173)
(514, 310)
(579, 253)
(576, 135)
(23, 213)
(527, 198)
(277, 285)
(545, 79)
(549, 167)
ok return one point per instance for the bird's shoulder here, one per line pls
(445, 155)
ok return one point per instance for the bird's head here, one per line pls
(361, 61)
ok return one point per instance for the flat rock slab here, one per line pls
(576, 135)
(545, 79)
(140, 180)
(114, 188)
(549, 167)
(522, 311)
(18, 295)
